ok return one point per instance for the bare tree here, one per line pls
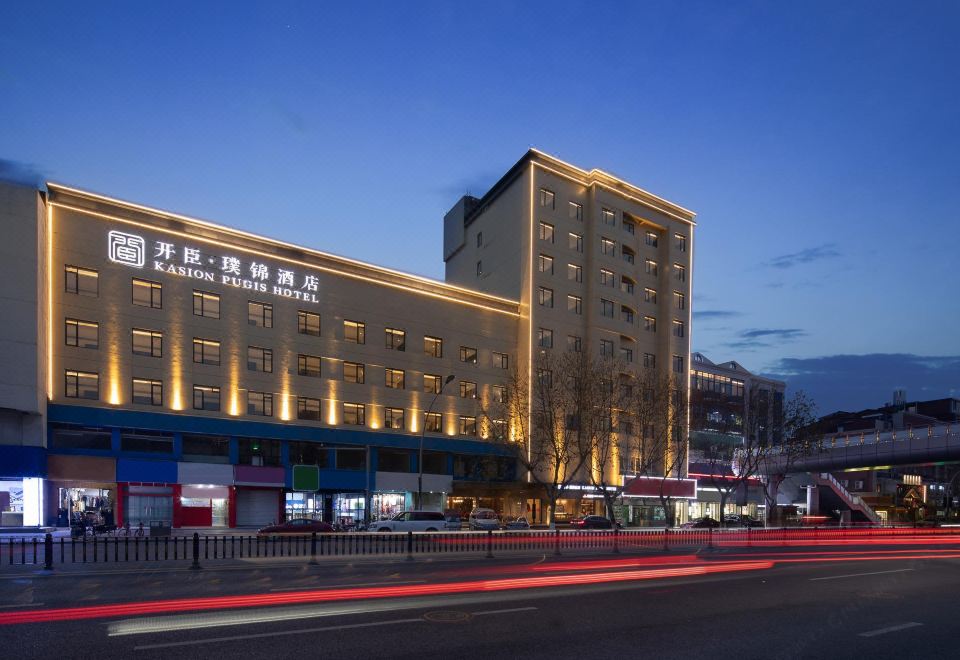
(610, 428)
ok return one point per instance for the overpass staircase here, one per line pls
(834, 496)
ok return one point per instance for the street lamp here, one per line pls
(423, 430)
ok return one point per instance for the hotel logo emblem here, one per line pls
(127, 249)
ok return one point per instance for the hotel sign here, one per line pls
(187, 261)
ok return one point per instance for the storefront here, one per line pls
(206, 491)
(303, 505)
(259, 496)
(21, 501)
(148, 493)
(348, 509)
(82, 491)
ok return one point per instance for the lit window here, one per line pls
(574, 273)
(626, 284)
(147, 392)
(680, 272)
(82, 334)
(574, 343)
(575, 242)
(575, 211)
(355, 332)
(499, 394)
(606, 277)
(147, 293)
(545, 264)
(431, 384)
(259, 359)
(609, 217)
(354, 414)
(649, 324)
(547, 198)
(260, 403)
(393, 418)
(468, 425)
(260, 314)
(546, 232)
(606, 308)
(308, 408)
(308, 365)
(206, 397)
(81, 384)
(575, 304)
(396, 339)
(353, 372)
(606, 348)
(81, 281)
(680, 300)
(680, 242)
(545, 296)
(650, 296)
(545, 338)
(608, 247)
(393, 378)
(206, 351)
(678, 329)
(651, 267)
(433, 422)
(468, 389)
(468, 354)
(501, 360)
(147, 342)
(206, 304)
(650, 239)
(433, 346)
(308, 323)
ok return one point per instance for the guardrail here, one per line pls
(49, 551)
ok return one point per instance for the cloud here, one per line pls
(785, 334)
(23, 173)
(750, 340)
(856, 382)
(825, 251)
(711, 314)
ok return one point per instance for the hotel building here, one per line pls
(162, 368)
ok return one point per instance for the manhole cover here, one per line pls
(447, 616)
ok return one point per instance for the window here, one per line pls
(351, 459)
(499, 394)
(468, 425)
(626, 354)
(82, 281)
(546, 232)
(679, 300)
(649, 324)
(396, 339)
(433, 422)
(206, 304)
(147, 293)
(650, 360)
(678, 329)
(393, 418)
(606, 308)
(147, 342)
(626, 285)
(545, 377)
(545, 296)
(354, 414)
(206, 397)
(479, 268)
(609, 217)
(626, 314)
(468, 354)
(148, 392)
(144, 441)
(394, 378)
(628, 255)
(468, 389)
(431, 384)
(650, 266)
(680, 242)
(501, 360)
(574, 343)
(650, 239)
(308, 323)
(206, 448)
(650, 296)
(354, 332)
(606, 348)
(479, 239)
(308, 408)
(259, 359)
(629, 226)
(575, 211)
(260, 403)
(607, 278)
(82, 334)
(260, 314)
(206, 351)
(678, 364)
(608, 247)
(308, 365)
(81, 384)
(574, 273)
(353, 372)
(575, 242)
(547, 198)
(545, 338)
(545, 264)
(433, 346)
(575, 304)
(680, 272)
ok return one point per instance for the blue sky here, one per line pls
(818, 142)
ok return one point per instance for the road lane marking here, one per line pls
(279, 633)
(345, 586)
(837, 577)
(890, 629)
(512, 609)
(7, 607)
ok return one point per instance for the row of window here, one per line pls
(575, 272)
(85, 281)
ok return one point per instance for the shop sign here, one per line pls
(188, 261)
(306, 478)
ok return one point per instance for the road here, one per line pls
(849, 602)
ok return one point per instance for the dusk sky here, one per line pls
(817, 141)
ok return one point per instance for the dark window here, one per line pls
(145, 441)
(256, 451)
(351, 459)
(309, 453)
(393, 460)
(80, 438)
(434, 462)
(206, 448)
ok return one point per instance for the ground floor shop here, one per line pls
(21, 502)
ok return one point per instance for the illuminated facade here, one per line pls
(164, 368)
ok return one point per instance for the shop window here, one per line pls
(144, 441)
(256, 451)
(393, 460)
(351, 459)
(206, 448)
(309, 453)
(260, 314)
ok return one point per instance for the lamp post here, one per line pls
(423, 430)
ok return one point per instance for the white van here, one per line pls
(484, 519)
(411, 521)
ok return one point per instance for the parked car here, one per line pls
(484, 519)
(296, 526)
(701, 523)
(519, 523)
(454, 522)
(592, 522)
(411, 521)
(738, 520)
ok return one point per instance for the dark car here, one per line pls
(296, 526)
(735, 520)
(701, 523)
(591, 522)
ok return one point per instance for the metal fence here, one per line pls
(49, 551)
